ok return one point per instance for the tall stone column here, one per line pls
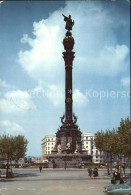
(68, 56)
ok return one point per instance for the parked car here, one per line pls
(116, 189)
(45, 161)
(25, 165)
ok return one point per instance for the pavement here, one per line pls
(54, 182)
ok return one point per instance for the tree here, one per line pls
(124, 134)
(5, 149)
(102, 143)
(115, 142)
(12, 148)
(124, 139)
(99, 140)
(106, 141)
(20, 147)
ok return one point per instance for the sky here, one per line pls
(32, 72)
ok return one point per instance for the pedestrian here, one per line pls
(40, 168)
(117, 177)
(95, 172)
(90, 172)
(53, 162)
(123, 168)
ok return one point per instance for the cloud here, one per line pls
(52, 93)
(79, 99)
(97, 47)
(10, 128)
(1, 3)
(109, 61)
(55, 94)
(42, 61)
(126, 82)
(3, 84)
(16, 101)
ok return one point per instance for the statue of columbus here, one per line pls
(69, 22)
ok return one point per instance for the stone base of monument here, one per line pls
(68, 160)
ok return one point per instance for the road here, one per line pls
(53, 182)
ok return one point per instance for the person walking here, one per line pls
(40, 168)
(123, 168)
(53, 162)
(117, 177)
(95, 172)
(90, 172)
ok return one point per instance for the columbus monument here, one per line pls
(68, 137)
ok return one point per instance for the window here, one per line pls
(48, 143)
(86, 142)
(87, 138)
(86, 146)
(52, 143)
(96, 156)
(48, 139)
(48, 148)
(52, 138)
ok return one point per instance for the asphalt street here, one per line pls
(53, 182)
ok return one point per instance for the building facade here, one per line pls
(88, 144)
(48, 144)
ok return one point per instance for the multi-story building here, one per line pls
(87, 140)
(48, 144)
(98, 156)
(88, 144)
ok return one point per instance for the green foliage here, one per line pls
(117, 141)
(13, 148)
(124, 137)
(5, 146)
(20, 147)
(99, 140)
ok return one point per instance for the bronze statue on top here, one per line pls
(69, 22)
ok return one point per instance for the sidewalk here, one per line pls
(18, 176)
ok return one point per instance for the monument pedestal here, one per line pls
(68, 139)
(68, 160)
(68, 149)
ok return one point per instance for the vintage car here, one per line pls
(118, 189)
